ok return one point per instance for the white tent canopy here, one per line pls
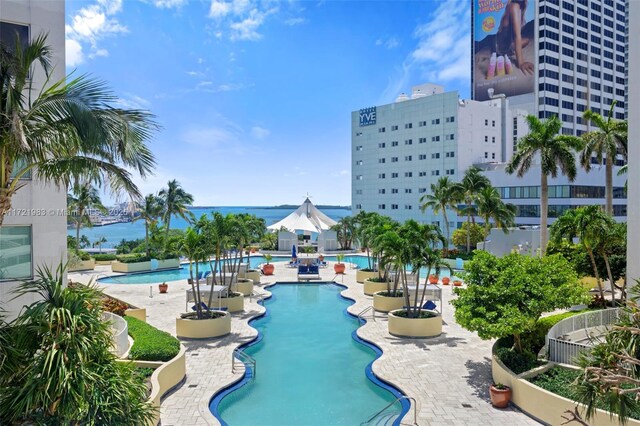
(307, 217)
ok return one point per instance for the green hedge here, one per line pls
(104, 257)
(132, 258)
(534, 340)
(149, 343)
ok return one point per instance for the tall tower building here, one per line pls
(552, 57)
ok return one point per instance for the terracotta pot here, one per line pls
(253, 250)
(500, 397)
(446, 280)
(339, 268)
(163, 287)
(268, 269)
(433, 279)
(321, 258)
(457, 283)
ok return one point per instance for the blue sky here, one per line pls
(254, 97)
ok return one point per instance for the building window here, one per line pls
(381, 191)
(394, 207)
(486, 122)
(407, 206)
(408, 126)
(435, 121)
(493, 155)
(394, 159)
(451, 119)
(393, 128)
(407, 190)
(450, 154)
(382, 206)
(394, 190)
(486, 155)
(8, 32)
(486, 138)
(381, 130)
(436, 155)
(359, 206)
(394, 175)
(422, 123)
(435, 172)
(381, 176)
(422, 174)
(408, 142)
(408, 174)
(381, 160)
(358, 191)
(450, 172)
(422, 140)
(381, 145)
(435, 139)
(394, 143)
(359, 148)
(15, 246)
(422, 157)
(449, 137)
(408, 158)
(422, 190)
(493, 123)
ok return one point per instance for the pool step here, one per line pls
(385, 419)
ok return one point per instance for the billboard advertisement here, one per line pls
(504, 47)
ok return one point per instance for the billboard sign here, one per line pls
(504, 47)
(368, 116)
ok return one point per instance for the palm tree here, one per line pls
(193, 245)
(70, 132)
(99, 242)
(150, 210)
(176, 202)
(467, 190)
(491, 206)
(554, 151)
(608, 140)
(345, 228)
(83, 198)
(442, 195)
(590, 225)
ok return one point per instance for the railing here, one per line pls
(120, 332)
(364, 311)
(587, 326)
(381, 413)
(245, 360)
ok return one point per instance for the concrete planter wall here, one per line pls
(117, 266)
(83, 265)
(371, 287)
(386, 304)
(104, 262)
(252, 274)
(138, 313)
(233, 304)
(541, 404)
(365, 275)
(243, 285)
(164, 378)
(204, 328)
(415, 327)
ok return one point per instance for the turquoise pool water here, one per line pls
(310, 371)
(183, 272)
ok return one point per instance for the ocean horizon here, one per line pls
(134, 230)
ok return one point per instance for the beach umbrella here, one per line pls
(293, 251)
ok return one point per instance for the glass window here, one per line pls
(9, 32)
(15, 252)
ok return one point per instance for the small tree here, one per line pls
(473, 231)
(506, 296)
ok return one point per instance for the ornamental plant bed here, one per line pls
(423, 314)
(205, 315)
(424, 324)
(149, 343)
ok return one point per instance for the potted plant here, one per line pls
(457, 283)
(163, 287)
(433, 279)
(500, 395)
(446, 280)
(339, 267)
(268, 268)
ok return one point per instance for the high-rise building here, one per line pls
(33, 232)
(398, 150)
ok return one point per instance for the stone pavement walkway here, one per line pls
(449, 375)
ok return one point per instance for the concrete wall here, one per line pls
(633, 209)
(45, 201)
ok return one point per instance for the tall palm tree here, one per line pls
(554, 151)
(467, 190)
(83, 198)
(608, 140)
(150, 210)
(176, 201)
(193, 246)
(442, 195)
(491, 206)
(70, 132)
(345, 229)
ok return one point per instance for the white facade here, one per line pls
(633, 218)
(400, 149)
(34, 231)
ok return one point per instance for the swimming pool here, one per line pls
(309, 368)
(183, 272)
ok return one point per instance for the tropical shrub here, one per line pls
(149, 343)
(518, 362)
(506, 296)
(114, 306)
(534, 339)
(104, 257)
(132, 258)
(477, 235)
(61, 370)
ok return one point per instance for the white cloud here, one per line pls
(259, 132)
(441, 53)
(390, 43)
(295, 21)
(195, 74)
(131, 101)
(168, 4)
(219, 9)
(90, 25)
(73, 52)
(243, 19)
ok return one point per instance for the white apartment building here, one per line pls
(34, 231)
(398, 150)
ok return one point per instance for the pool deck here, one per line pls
(449, 375)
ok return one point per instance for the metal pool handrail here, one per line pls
(410, 398)
(364, 311)
(246, 359)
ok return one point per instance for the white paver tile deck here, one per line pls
(441, 373)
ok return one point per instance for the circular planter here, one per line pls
(243, 285)
(371, 287)
(414, 327)
(385, 303)
(500, 397)
(339, 268)
(446, 280)
(253, 274)
(232, 303)
(204, 328)
(457, 283)
(433, 279)
(268, 269)
(362, 275)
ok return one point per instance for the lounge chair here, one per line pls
(306, 273)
